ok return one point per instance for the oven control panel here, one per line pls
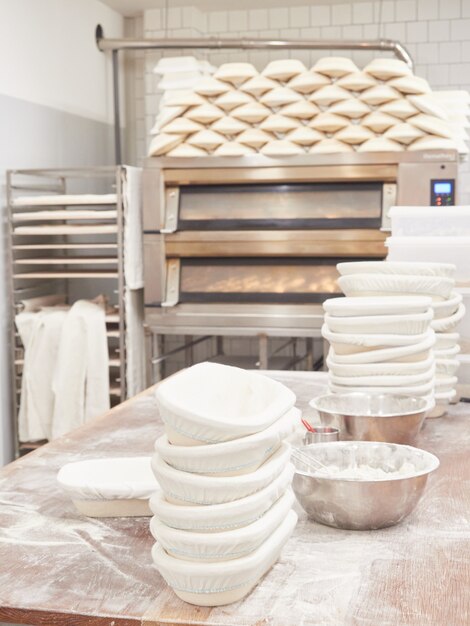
(443, 192)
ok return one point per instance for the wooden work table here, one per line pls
(62, 569)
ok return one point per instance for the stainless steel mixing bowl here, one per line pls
(362, 504)
(364, 417)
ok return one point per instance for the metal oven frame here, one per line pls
(405, 177)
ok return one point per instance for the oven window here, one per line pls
(256, 280)
(318, 205)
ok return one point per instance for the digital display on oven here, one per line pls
(442, 192)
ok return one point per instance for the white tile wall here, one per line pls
(436, 32)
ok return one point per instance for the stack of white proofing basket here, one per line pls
(223, 513)
(392, 333)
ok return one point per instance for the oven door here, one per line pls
(291, 206)
(250, 280)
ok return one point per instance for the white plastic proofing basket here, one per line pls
(220, 517)
(383, 381)
(230, 458)
(210, 403)
(415, 352)
(375, 341)
(446, 341)
(414, 324)
(223, 582)
(222, 546)
(186, 488)
(424, 390)
(358, 306)
(380, 369)
(447, 307)
(396, 267)
(447, 324)
(437, 287)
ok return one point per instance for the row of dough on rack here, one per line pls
(288, 110)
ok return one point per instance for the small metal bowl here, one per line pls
(362, 504)
(364, 417)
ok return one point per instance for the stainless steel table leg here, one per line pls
(263, 352)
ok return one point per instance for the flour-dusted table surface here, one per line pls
(62, 569)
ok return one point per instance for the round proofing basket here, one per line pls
(447, 307)
(394, 305)
(397, 267)
(223, 582)
(211, 403)
(416, 352)
(383, 381)
(411, 390)
(185, 488)
(447, 324)
(230, 458)
(344, 343)
(380, 369)
(222, 546)
(221, 517)
(381, 324)
(447, 367)
(437, 287)
(446, 341)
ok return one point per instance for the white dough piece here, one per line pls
(222, 582)
(229, 126)
(184, 98)
(427, 103)
(187, 151)
(279, 97)
(402, 109)
(186, 488)
(431, 125)
(307, 82)
(335, 66)
(283, 70)
(222, 546)
(379, 95)
(352, 108)
(380, 144)
(233, 148)
(385, 69)
(183, 126)
(281, 147)
(206, 139)
(330, 146)
(209, 86)
(304, 136)
(163, 143)
(252, 113)
(279, 124)
(431, 142)
(166, 115)
(403, 133)
(354, 134)
(233, 99)
(329, 122)
(258, 85)
(410, 85)
(302, 110)
(358, 81)
(205, 113)
(235, 73)
(193, 403)
(326, 96)
(379, 122)
(220, 517)
(255, 137)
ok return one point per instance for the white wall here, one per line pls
(55, 111)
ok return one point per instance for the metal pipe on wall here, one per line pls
(212, 43)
